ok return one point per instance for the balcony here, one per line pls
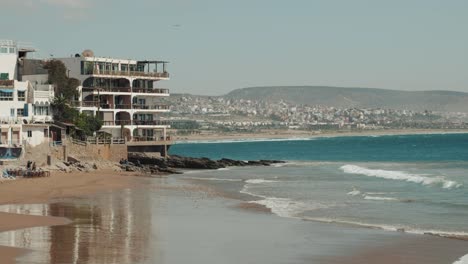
(109, 90)
(7, 83)
(136, 123)
(131, 74)
(119, 106)
(97, 90)
(43, 96)
(151, 90)
(150, 107)
(144, 139)
(151, 123)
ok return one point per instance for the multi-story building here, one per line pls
(25, 97)
(125, 94)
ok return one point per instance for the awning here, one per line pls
(6, 90)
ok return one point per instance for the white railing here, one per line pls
(43, 94)
(104, 141)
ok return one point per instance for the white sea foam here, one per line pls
(285, 207)
(393, 228)
(379, 198)
(259, 181)
(462, 260)
(354, 192)
(242, 140)
(213, 179)
(402, 176)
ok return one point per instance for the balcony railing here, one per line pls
(113, 89)
(151, 90)
(43, 94)
(141, 138)
(119, 106)
(151, 123)
(150, 107)
(128, 90)
(132, 73)
(137, 123)
(7, 83)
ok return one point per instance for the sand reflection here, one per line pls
(110, 228)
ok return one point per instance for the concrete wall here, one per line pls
(37, 135)
(6, 106)
(113, 152)
(8, 64)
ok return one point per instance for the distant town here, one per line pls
(192, 113)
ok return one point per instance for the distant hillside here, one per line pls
(358, 97)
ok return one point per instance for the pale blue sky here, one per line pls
(215, 46)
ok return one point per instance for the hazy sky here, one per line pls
(215, 46)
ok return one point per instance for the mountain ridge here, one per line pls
(433, 100)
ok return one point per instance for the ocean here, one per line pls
(414, 184)
(337, 200)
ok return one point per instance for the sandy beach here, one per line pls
(295, 134)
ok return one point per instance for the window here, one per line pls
(21, 96)
(20, 112)
(87, 67)
(12, 50)
(12, 112)
(4, 76)
(29, 133)
(41, 110)
(3, 50)
(6, 96)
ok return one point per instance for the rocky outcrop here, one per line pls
(180, 162)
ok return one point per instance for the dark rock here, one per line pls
(158, 164)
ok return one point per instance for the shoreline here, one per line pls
(299, 134)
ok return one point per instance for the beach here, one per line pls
(298, 134)
(127, 219)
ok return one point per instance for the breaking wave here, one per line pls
(379, 198)
(462, 260)
(213, 179)
(403, 229)
(259, 181)
(401, 176)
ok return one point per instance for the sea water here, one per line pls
(402, 183)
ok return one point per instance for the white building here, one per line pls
(25, 95)
(124, 93)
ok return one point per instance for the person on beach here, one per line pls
(34, 166)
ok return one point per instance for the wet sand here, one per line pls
(41, 190)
